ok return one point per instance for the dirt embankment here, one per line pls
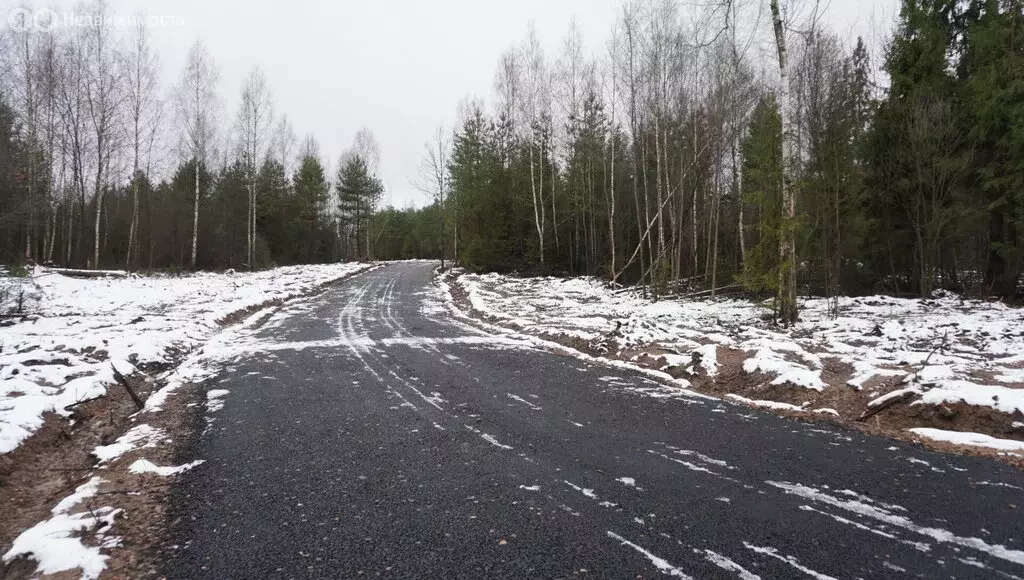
(837, 403)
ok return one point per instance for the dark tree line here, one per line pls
(663, 161)
(100, 167)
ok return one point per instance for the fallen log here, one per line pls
(131, 392)
(73, 273)
(73, 405)
(871, 411)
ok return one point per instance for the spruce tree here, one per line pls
(311, 195)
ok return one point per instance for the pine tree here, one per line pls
(358, 195)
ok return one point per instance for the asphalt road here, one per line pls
(370, 433)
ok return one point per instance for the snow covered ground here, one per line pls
(939, 351)
(62, 352)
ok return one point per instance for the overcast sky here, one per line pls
(398, 67)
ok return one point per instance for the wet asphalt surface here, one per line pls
(368, 432)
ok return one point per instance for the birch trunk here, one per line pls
(787, 242)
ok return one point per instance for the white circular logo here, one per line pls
(20, 19)
(26, 20)
(44, 19)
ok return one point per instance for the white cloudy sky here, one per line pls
(399, 67)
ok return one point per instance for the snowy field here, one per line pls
(62, 352)
(936, 351)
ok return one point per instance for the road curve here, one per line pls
(369, 433)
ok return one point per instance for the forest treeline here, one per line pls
(704, 147)
(665, 157)
(103, 167)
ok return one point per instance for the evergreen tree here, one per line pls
(762, 188)
(358, 195)
(311, 196)
(276, 212)
(992, 69)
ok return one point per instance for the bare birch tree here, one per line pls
(787, 238)
(284, 143)
(433, 176)
(196, 108)
(532, 108)
(104, 92)
(145, 109)
(255, 117)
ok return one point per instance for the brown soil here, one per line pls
(142, 526)
(57, 458)
(849, 402)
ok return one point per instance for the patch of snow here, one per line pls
(766, 404)
(708, 358)
(975, 439)
(488, 438)
(996, 484)
(660, 563)
(1002, 399)
(893, 395)
(147, 466)
(877, 512)
(55, 543)
(700, 456)
(728, 565)
(587, 492)
(523, 401)
(138, 437)
(773, 553)
(215, 399)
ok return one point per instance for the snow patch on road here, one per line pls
(488, 438)
(215, 399)
(660, 563)
(587, 492)
(773, 553)
(523, 401)
(728, 565)
(876, 511)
